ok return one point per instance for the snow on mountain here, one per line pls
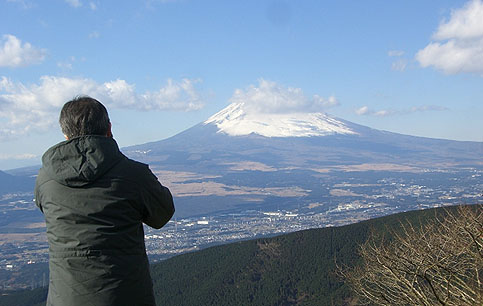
(235, 120)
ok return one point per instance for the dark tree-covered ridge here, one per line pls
(293, 269)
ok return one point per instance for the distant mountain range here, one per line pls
(13, 183)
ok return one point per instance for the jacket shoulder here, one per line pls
(41, 179)
(130, 166)
(132, 170)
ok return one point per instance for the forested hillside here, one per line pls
(292, 269)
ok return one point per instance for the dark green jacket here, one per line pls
(95, 201)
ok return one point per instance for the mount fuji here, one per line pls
(241, 158)
(297, 140)
(235, 121)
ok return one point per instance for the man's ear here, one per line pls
(66, 138)
(109, 130)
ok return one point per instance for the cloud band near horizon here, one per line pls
(366, 111)
(24, 108)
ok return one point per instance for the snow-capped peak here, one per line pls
(234, 120)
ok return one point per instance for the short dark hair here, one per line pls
(82, 116)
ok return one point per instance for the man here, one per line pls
(95, 201)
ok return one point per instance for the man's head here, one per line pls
(84, 116)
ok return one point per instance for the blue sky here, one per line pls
(412, 67)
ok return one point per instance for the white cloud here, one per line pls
(24, 108)
(175, 95)
(18, 156)
(74, 3)
(459, 42)
(24, 4)
(395, 53)
(270, 97)
(149, 3)
(399, 65)
(427, 108)
(366, 111)
(363, 110)
(14, 53)
(325, 103)
(465, 23)
(384, 113)
(78, 3)
(64, 65)
(94, 34)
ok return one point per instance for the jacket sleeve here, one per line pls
(157, 201)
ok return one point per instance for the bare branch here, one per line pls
(436, 263)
